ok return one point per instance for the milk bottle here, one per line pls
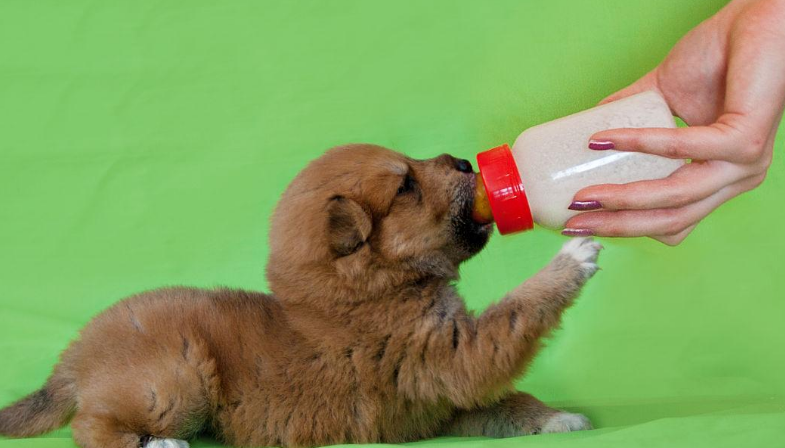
(536, 179)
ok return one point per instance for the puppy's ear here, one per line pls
(348, 227)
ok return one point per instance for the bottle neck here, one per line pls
(506, 195)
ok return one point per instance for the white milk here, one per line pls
(554, 161)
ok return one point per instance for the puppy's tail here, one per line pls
(42, 411)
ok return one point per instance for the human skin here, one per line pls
(726, 80)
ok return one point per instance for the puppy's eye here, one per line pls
(407, 185)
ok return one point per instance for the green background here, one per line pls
(145, 143)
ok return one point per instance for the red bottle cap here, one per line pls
(508, 201)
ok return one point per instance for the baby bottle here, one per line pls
(536, 180)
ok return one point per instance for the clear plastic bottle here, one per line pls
(536, 180)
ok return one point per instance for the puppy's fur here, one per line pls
(364, 338)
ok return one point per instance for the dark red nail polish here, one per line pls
(577, 232)
(601, 145)
(585, 205)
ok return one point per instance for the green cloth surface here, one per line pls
(145, 143)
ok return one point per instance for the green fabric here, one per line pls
(145, 143)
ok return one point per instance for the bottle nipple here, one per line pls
(481, 212)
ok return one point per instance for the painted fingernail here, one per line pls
(600, 145)
(585, 205)
(577, 232)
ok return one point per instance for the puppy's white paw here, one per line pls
(566, 422)
(584, 251)
(166, 443)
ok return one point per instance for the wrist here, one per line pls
(737, 8)
(726, 16)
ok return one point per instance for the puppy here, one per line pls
(363, 339)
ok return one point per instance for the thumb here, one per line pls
(647, 82)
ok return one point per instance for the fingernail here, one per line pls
(585, 205)
(577, 232)
(601, 145)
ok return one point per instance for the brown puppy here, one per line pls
(363, 340)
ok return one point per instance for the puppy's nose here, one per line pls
(463, 166)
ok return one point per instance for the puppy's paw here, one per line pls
(166, 443)
(566, 422)
(584, 251)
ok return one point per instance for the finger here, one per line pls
(713, 142)
(647, 82)
(675, 240)
(690, 183)
(661, 222)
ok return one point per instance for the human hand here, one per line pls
(726, 79)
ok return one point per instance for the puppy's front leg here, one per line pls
(541, 299)
(472, 361)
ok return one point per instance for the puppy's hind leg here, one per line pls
(165, 443)
(157, 404)
(94, 431)
(123, 414)
(518, 414)
(109, 425)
